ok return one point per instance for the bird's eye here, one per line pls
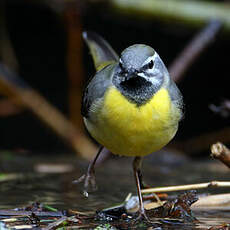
(150, 64)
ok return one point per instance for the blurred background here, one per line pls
(44, 66)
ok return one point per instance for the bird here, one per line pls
(131, 106)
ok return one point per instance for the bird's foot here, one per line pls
(89, 183)
(142, 216)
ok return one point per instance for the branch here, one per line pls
(221, 152)
(214, 184)
(194, 49)
(12, 86)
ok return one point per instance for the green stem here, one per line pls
(49, 208)
(178, 11)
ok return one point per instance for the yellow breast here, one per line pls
(126, 129)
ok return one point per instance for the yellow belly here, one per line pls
(126, 129)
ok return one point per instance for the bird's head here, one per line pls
(140, 73)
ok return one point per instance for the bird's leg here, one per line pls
(142, 184)
(89, 177)
(137, 174)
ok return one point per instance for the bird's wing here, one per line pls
(102, 53)
(96, 89)
(176, 96)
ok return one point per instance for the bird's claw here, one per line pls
(89, 183)
(142, 216)
(79, 180)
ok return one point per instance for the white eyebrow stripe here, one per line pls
(154, 80)
(150, 58)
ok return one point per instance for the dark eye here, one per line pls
(150, 64)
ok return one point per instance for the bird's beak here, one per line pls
(131, 74)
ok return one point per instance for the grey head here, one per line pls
(140, 73)
(133, 57)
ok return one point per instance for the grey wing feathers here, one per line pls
(100, 49)
(176, 95)
(96, 89)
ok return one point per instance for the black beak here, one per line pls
(130, 74)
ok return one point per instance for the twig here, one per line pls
(21, 93)
(56, 223)
(191, 12)
(221, 152)
(187, 187)
(194, 49)
(29, 213)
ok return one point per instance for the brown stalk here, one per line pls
(194, 49)
(213, 184)
(72, 19)
(14, 87)
(221, 152)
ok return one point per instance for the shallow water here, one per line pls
(115, 181)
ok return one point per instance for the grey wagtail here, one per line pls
(131, 106)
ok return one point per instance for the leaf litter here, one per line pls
(172, 213)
